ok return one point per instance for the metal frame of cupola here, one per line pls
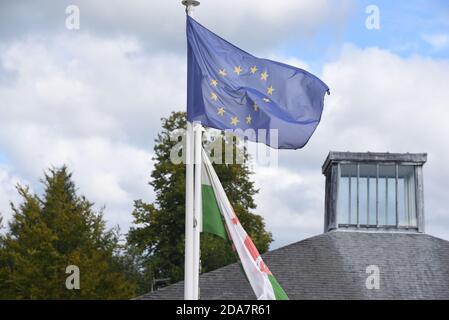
(380, 192)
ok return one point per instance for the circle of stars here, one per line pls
(238, 70)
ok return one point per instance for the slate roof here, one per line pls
(333, 266)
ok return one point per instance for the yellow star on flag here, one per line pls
(213, 96)
(220, 111)
(235, 120)
(270, 90)
(214, 82)
(264, 76)
(238, 70)
(222, 72)
(248, 119)
(253, 70)
(256, 107)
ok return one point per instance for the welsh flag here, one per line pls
(219, 219)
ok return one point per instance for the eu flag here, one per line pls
(229, 88)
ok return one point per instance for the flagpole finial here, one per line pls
(190, 4)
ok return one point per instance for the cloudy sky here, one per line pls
(93, 98)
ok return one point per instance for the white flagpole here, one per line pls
(188, 262)
(189, 291)
(198, 134)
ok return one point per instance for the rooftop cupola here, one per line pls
(374, 191)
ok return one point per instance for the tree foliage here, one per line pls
(157, 237)
(49, 233)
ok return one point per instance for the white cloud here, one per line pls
(274, 21)
(93, 104)
(161, 25)
(91, 86)
(437, 41)
(290, 202)
(293, 61)
(382, 101)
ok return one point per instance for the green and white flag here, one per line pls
(216, 210)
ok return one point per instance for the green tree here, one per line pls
(158, 234)
(51, 232)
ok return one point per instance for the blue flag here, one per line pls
(229, 88)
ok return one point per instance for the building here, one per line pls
(373, 247)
